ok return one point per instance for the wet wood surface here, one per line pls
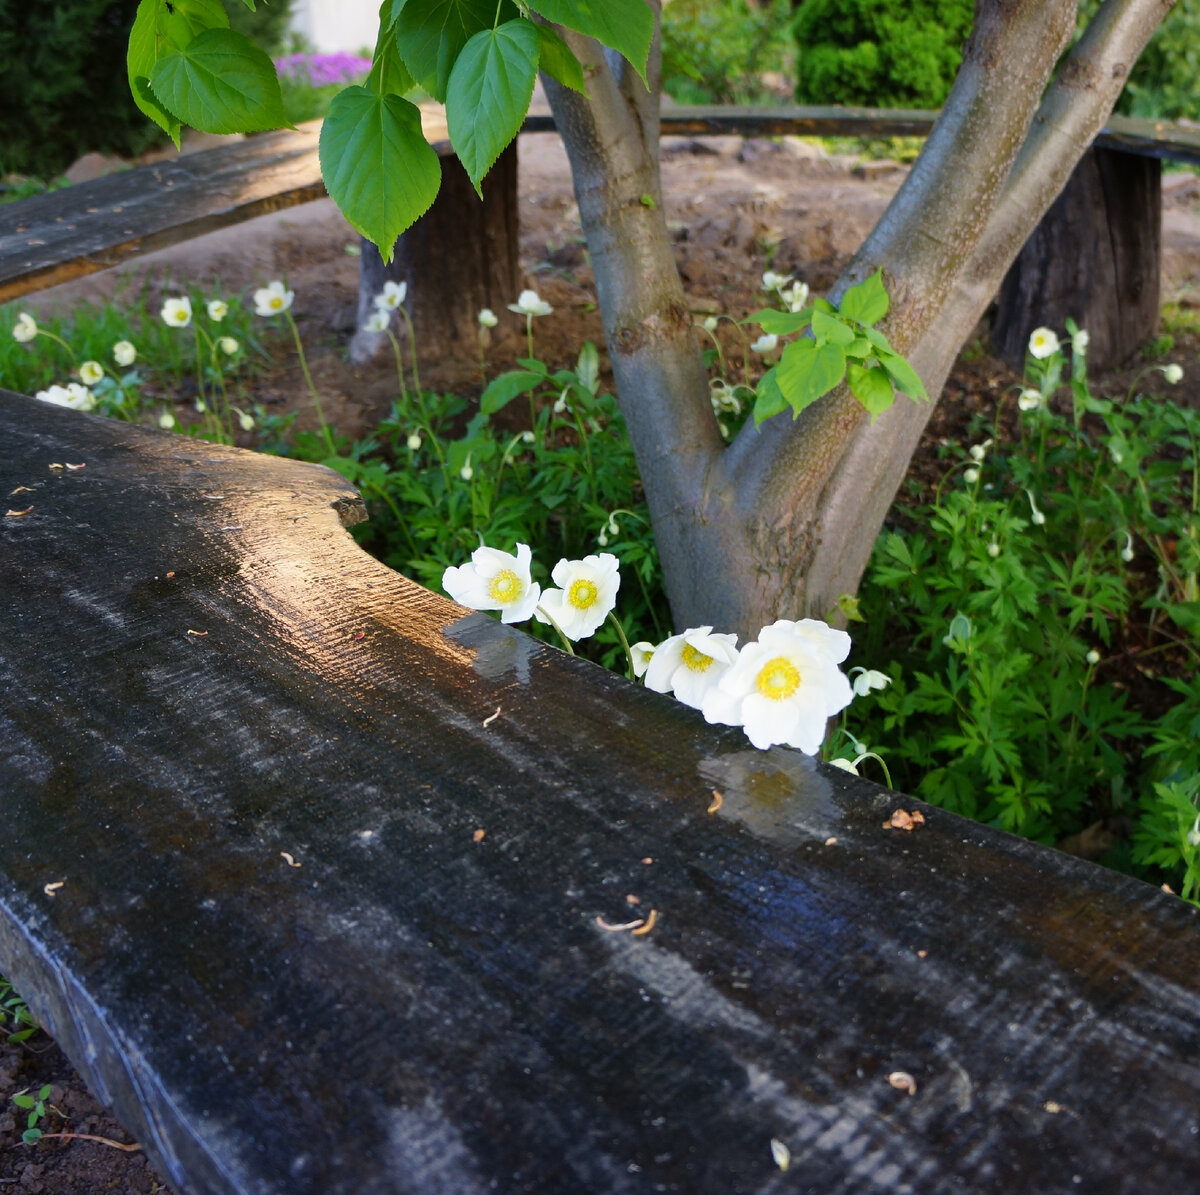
(92, 226)
(311, 873)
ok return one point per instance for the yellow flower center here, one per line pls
(778, 678)
(697, 661)
(276, 301)
(505, 587)
(583, 594)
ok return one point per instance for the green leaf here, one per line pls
(377, 165)
(557, 60)
(768, 398)
(490, 89)
(868, 301)
(249, 4)
(781, 323)
(904, 376)
(389, 75)
(808, 370)
(625, 25)
(31, 1136)
(506, 387)
(159, 30)
(828, 328)
(220, 82)
(430, 35)
(872, 387)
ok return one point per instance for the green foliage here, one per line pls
(35, 1106)
(438, 482)
(16, 1021)
(59, 94)
(844, 345)
(1006, 613)
(877, 53)
(716, 51)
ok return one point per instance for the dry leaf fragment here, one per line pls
(644, 929)
(903, 820)
(478, 835)
(781, 1154)
(22, 489)
(51, 889)
(922, 954)
(903, 1081)
(616, 929)
(831, 842)
(198, 634)
(170, 575)
(492, 717)
(647, 859)
(288, 859)
(717, 801)
(76, 468)
(54, 465)
(633, 900)
(1053, 1107)
(18, 514)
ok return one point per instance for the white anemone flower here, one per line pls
(642, 653)
(1042, 342)
(25, 329)
(392, 296)
(218, 309)
(73, 395)
(846, 765)
(970, 476)
(773, 281)
(688, 665)
(124, 353)
(1079, 342)
(273, 299)
(414, 441)
(1173, 373)
(785, 685)
(710, 323)
(245, 421)
(488, 318)
(587, 591)
(765, 343)
(796, 296)
(979, 451)
(868, 679)
(1036, 517)
(724, 397)
(378, 321)
(1030, 399)
(1093, 657)
(228, 345)
(530, 303)
(177, 312)
(495, 580)
(90, 372)
(166, 421)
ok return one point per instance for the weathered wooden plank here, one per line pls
(53, 238)
(413, 1010)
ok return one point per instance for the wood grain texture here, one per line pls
(1095, 258)
(67, 234)
(419, 1009)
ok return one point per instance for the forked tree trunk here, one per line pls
(458, 258)
(1094, 258)
(781, 522)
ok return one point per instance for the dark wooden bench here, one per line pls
(1111, 285)
(319, 880)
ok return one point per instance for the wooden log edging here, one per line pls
(332, 855)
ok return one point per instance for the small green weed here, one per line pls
(16, 1021)
(36, 1106)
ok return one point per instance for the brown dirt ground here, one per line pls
(735, 207)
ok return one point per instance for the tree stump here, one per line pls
(458, 258)
(1094, 258)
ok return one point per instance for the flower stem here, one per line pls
(624, 642)
(561, 633)
(311, 387)
(59, 340)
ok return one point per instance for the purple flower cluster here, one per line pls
(321, 70)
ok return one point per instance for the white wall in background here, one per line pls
(333, 25)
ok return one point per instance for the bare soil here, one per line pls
(735, 206)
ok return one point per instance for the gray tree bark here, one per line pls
(781, 522)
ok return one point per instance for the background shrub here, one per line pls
(878, 53)
(63, 89)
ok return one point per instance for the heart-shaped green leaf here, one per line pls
(220, 82)
(829, 328)
(506, 387)
(872, 387)
(781, 323)
(389, 75)
(768, 398)
(904, 376)
(808, 370)
(557, 60)
(377, 165)
(625, 25)
(430, 35)
(868, 301)
(490, 89)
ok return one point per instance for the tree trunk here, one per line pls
(1094, 258)
(458, 258)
